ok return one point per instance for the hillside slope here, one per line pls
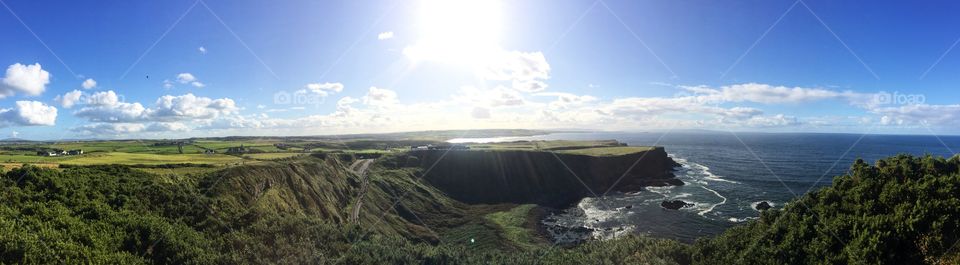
(903, 210)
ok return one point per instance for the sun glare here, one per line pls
(457, 31)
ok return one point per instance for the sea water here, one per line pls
(726, 175)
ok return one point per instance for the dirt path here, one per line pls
(363, 164)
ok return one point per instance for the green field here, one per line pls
(607, 151)
(151, 159)
(593, 148)
(270, 156)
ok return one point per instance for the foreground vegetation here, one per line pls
(295, 209)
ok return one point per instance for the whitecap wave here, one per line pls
(710, 209)
(740, 220)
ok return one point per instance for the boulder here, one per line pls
(675, 204)
(762, 206)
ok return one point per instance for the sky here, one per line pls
(185, 68)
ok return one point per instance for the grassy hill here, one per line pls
(902, 210)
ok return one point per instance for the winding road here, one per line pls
(360, 168)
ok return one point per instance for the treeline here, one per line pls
(903, 210)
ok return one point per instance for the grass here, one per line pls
(271, 156)
(151, 159)
(19, 158)
(608, 151)
(512, 225)
(544, 145)
(221, 146)
(125, 146)
(593, 148)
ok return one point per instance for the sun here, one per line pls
(464, 32)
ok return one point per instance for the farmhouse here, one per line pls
(48, 153)
(58, 152)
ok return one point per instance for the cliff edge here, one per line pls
(554, 179)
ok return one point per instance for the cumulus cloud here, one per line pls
(27, 79)
(167, 127)
(385, 35)
(919, 114)
(380, 97)
(107, 107)
(188, 78)
(68, 99)
(110, 128)
(771, 94)
(185, 107)
(89, 83)
(130, 128)
(28, 113)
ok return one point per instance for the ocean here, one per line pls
(726, 175)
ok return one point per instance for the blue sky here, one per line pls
(323, 67)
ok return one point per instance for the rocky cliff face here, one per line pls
(544, 178)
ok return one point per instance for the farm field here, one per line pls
(271, 156)
(151, 159)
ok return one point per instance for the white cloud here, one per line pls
(778, 120)
(322, 89)
(130, 128)
(184, 78)
(173, 108)
(167, 127)
(770, 94)
(167, 84)
(107, 107)
(89, 83)
(202, 50)
(27, 79)
(567, 100)
(28, 113)
(188, 78)
(380, 97)
(385, 35)
(923, 114)
(110, 128)
(69, 99)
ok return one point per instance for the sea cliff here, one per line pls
(553, 179)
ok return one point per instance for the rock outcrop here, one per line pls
(763, 206)
(544, 178)
(675, 204)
